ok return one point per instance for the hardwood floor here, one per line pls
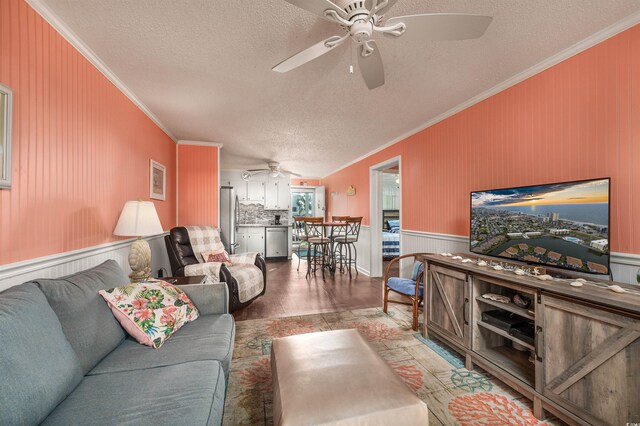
(290, 293)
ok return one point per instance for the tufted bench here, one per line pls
(336, 377)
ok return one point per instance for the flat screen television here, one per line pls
(563, 225)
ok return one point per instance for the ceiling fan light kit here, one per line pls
(360, 23)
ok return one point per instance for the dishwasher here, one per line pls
(276, 242)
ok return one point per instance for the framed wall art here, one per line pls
(6, 103)
(157, 181)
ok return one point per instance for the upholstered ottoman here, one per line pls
(336, 377)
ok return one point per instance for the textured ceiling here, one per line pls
(203, 67)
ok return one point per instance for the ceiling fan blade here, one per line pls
(290, 173)
(371, 66)
(441, 26)
(318, 7)
(307, 55)
(257, 170)
(390, 3)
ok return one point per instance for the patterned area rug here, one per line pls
(453, 394)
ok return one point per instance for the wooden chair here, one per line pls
(318, 244)
(339, 218)
(300, 239)
(411, 289)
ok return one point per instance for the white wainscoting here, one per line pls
(623, 266)
(363, 246)
(62, 264)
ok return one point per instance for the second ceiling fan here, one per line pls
(361, 19)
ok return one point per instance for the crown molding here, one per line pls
(555, 59)
(200, 143)
(49, 15)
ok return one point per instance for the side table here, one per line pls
(195, 279)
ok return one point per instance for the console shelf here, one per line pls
(508, 307)
(503, 333)
(513, 361)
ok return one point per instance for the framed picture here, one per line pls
(157, 181)
(6, 102)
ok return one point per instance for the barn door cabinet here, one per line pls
(579, 358)
(448, 296)
(591, 361)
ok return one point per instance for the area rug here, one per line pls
(437, 375)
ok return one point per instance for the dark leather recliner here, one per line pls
(181, 254)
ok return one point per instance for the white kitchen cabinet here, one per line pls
(277, 195)
(255, 191)
(241, 240)
(250, 239)
(284, 195)
(255, 242)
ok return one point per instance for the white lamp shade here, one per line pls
(138, 219)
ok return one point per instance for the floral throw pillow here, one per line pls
(150, 312)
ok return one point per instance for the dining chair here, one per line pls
(318, 244)
(345, 251)
(411, 289)
(300, 239)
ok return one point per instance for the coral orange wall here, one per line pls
(80, 147)
(577, 120)
(305, 181)
(198, 185)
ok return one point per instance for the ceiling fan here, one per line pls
(361, 19)
(273, 171)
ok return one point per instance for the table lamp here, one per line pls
(139, 219)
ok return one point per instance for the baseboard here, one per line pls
(69, 262)
(363, 271)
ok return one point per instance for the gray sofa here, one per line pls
(64, 359)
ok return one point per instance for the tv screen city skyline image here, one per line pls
(564, 225)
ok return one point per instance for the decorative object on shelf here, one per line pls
(457, 258)
(496, 297)
(466, 260)
(521, 301)
(545, 277)
(157, 181)
(498, 268)
(6, 105)
(519, 272)
(576, 284)
(482, 263)
(139, 219)
(617, 289)
(351, 191)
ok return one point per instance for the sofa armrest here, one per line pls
(208, 298)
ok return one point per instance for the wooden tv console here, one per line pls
(583, 364)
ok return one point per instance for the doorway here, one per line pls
(385, 213)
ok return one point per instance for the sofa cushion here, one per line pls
(38, 366)
(210, 337)
(86, 319)
(150, 312)
(189, 393)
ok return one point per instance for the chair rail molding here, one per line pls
(624, 266)
(70, 262)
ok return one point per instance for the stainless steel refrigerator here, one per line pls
(229, 210)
